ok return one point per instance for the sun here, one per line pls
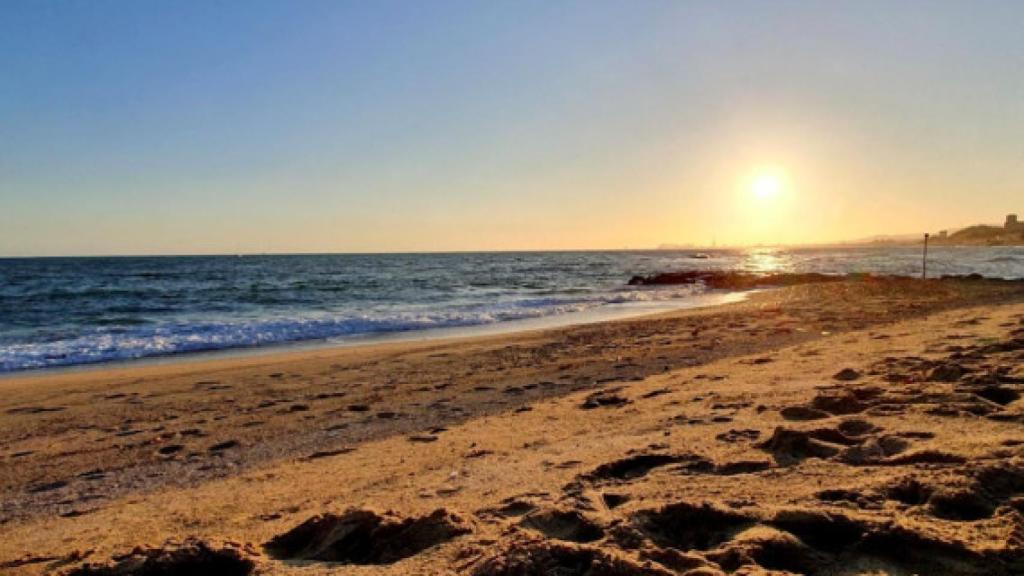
(766, 185)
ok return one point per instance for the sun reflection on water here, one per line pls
(767, 260)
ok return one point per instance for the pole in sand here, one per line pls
(924, 258)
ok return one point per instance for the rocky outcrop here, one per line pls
(731, 280)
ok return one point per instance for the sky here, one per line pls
(246, 127)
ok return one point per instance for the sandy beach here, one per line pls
(598, 288)
(857, 427)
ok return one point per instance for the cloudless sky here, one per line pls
(223, 127)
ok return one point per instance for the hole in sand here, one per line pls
(960, 504)
(824, 530)
(567, 525)
(998, 394)
(802, 413)
(686, 526)
(856, 427)
(633, 466)
(928, 555)
(365, 537)
(909, 491)
(613, 501)
(1001, 480)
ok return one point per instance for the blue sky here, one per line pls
(222, 127)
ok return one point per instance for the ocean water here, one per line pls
(69, 311)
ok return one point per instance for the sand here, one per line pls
(860, 427)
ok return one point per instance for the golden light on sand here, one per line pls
(767, 184)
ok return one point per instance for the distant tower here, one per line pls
(1012, 223)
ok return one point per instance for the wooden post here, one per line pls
(924, 258)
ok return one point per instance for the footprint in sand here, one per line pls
(605, 399)
(47, 487)
(169, 449)
(222, 446)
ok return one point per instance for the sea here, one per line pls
(64, 312)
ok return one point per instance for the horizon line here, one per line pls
(668, 247)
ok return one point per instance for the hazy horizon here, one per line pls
(331, 127)
(864, 242)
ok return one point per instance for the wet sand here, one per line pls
(852, 427)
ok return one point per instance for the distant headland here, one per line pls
(1010, 233)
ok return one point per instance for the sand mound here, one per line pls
(768, 548)
(191, 558)
(790, 446)
(563, 559)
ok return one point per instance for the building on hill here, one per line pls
(1011, 233)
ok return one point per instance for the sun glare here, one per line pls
(766, 185)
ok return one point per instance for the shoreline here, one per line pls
(241, 450)
(604, 313)
(131, 322)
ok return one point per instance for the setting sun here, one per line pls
(766, 185)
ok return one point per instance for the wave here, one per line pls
(140, 340)
(59, 312)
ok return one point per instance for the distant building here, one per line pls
(943, 234)
(1012, 223)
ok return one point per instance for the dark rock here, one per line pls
(731, 280)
